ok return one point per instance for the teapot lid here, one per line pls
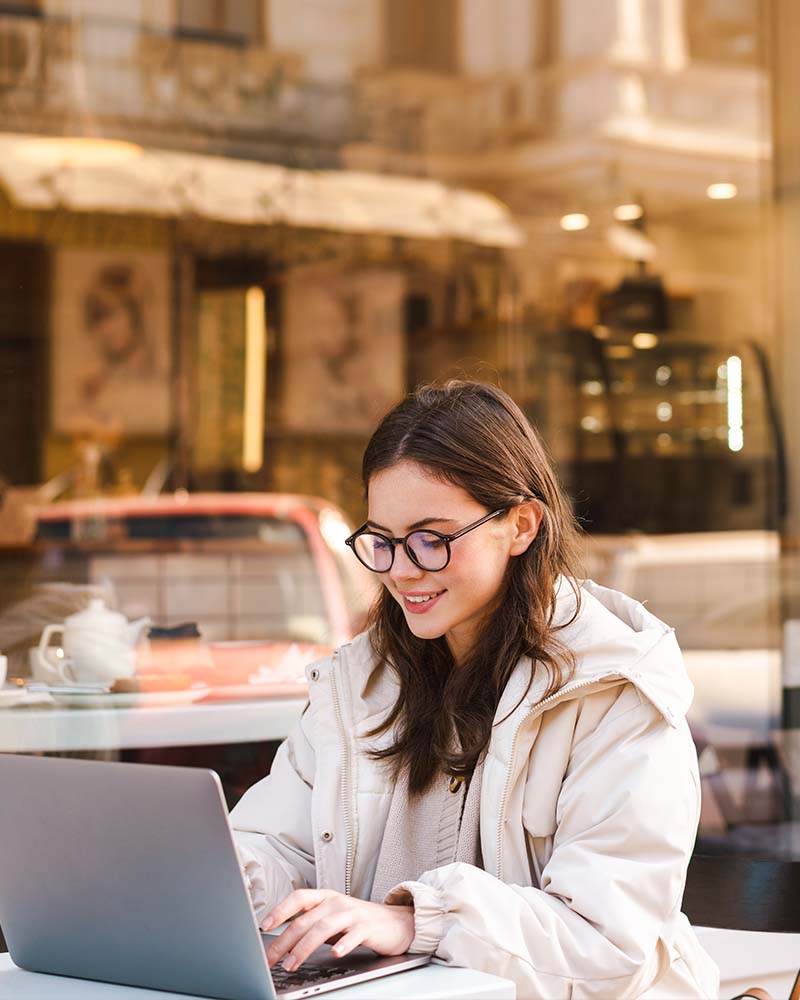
(97, 615)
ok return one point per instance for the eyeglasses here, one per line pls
(427, 549)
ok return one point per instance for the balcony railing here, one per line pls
(116, 76)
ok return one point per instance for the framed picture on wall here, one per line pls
(110, 358)
(344, 351)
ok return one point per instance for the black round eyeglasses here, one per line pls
(427, 549)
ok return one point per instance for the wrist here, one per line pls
(428, 913)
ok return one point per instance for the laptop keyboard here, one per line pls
(314, 974)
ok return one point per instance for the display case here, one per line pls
(671, 434)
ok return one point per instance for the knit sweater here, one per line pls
(427, 831)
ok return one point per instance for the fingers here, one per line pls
(352, 939)
(298, 901)
(305, 935)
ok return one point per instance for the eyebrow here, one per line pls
(417, 524)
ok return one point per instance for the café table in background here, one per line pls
(50, 729)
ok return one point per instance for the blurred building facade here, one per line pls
(645, 103)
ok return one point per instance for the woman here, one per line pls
(499, 772)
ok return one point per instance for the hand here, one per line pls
(325, 915)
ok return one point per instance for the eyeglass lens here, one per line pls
(429, 551)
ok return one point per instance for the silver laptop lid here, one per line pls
(125, 873)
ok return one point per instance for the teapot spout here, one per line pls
(135, 629)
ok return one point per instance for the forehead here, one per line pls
(407, 492)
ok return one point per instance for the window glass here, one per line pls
(234, 234)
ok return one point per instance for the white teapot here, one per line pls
(99, 645)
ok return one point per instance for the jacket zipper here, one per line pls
(536, 709)
(346, 766)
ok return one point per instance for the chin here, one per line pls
(425, 630)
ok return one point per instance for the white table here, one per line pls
(50, 729)
(433, 982)
(752, 958)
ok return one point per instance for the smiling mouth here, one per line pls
(422, 598)
(417, 603)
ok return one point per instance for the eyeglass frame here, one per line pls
(394, 542)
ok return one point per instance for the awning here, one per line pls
(96, 175)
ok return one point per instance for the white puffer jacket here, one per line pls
(589, 808)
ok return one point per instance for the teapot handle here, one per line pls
(44, 642)
(49, 631)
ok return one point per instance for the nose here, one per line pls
(403, 568)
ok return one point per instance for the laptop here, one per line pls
(127, 873)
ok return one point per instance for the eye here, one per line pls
(429, 541)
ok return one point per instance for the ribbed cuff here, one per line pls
(429, 912)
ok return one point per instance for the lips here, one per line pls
(420, 603)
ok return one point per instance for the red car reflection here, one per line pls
(244, 589)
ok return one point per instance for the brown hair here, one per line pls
(474, 436)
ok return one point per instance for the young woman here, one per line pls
(499, 772)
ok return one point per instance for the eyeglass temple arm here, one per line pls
(476, 524)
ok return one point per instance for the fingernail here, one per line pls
(266, 923)
(289, 963)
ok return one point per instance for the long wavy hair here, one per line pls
(474, 436)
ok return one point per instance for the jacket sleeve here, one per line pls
(626, 821)
(272, 825)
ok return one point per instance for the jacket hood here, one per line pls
(613, 634)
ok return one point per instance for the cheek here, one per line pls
(488, 575)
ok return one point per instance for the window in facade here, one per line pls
(422, 35)
(216, 20)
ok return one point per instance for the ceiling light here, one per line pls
(574, 221)
(629, 212)
(722, 191)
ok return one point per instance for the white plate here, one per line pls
(132, 699)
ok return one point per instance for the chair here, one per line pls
(740, 894)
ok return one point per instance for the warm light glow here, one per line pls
(601, 332)
(722, 191)
(574, 221)
(644, 341)
(664, 411)
(619, 351)
(735, 404)
(84, 151)
(629, 212)
(255, 371)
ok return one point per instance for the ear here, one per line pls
(527, 518)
